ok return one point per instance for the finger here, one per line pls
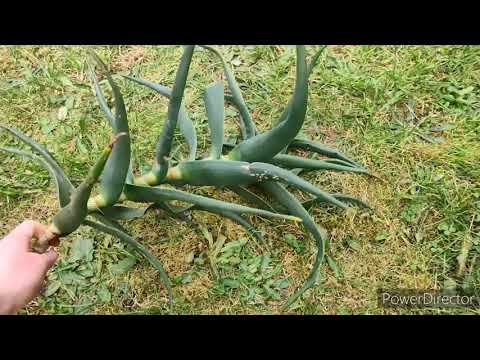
(23, 233)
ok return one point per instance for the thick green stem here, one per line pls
(70, 217)
(224, 173)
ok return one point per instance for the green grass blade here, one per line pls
(184, 124)
(292, 162)
(314, 60)
(129, 240)
(117, 168)
(215, 105)
(63, 182)
(236, 94)
(64, 189)
(318, 233)
(164, 144)
(157, 194)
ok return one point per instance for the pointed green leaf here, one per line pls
(118, 165)
(265, 146)
(310, 67)
(104, 294)
(52, 288)
(70, 217)
(236, 95)
(344, 198)
(291, 161)
(318, 233)
(157, 194)
(294, 243)
(233, 173)
(101, 97)
(123, 266)
(352, 243)
(252, 197)
(231, 113)
(334, 266)
(215, 105)
(119, 212)
(247, 225)
(321, 149)
(64, 186)
(115, 229)
(164, 143)
(184, 124)
(315, 58)
(273, 172)
(82, 249)
(130, 178)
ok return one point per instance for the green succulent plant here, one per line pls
(258, 161)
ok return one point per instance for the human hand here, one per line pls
(22, 272)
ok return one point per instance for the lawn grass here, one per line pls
(409, 113)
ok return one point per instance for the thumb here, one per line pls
(49, 258)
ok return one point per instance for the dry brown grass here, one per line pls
(133, 56)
